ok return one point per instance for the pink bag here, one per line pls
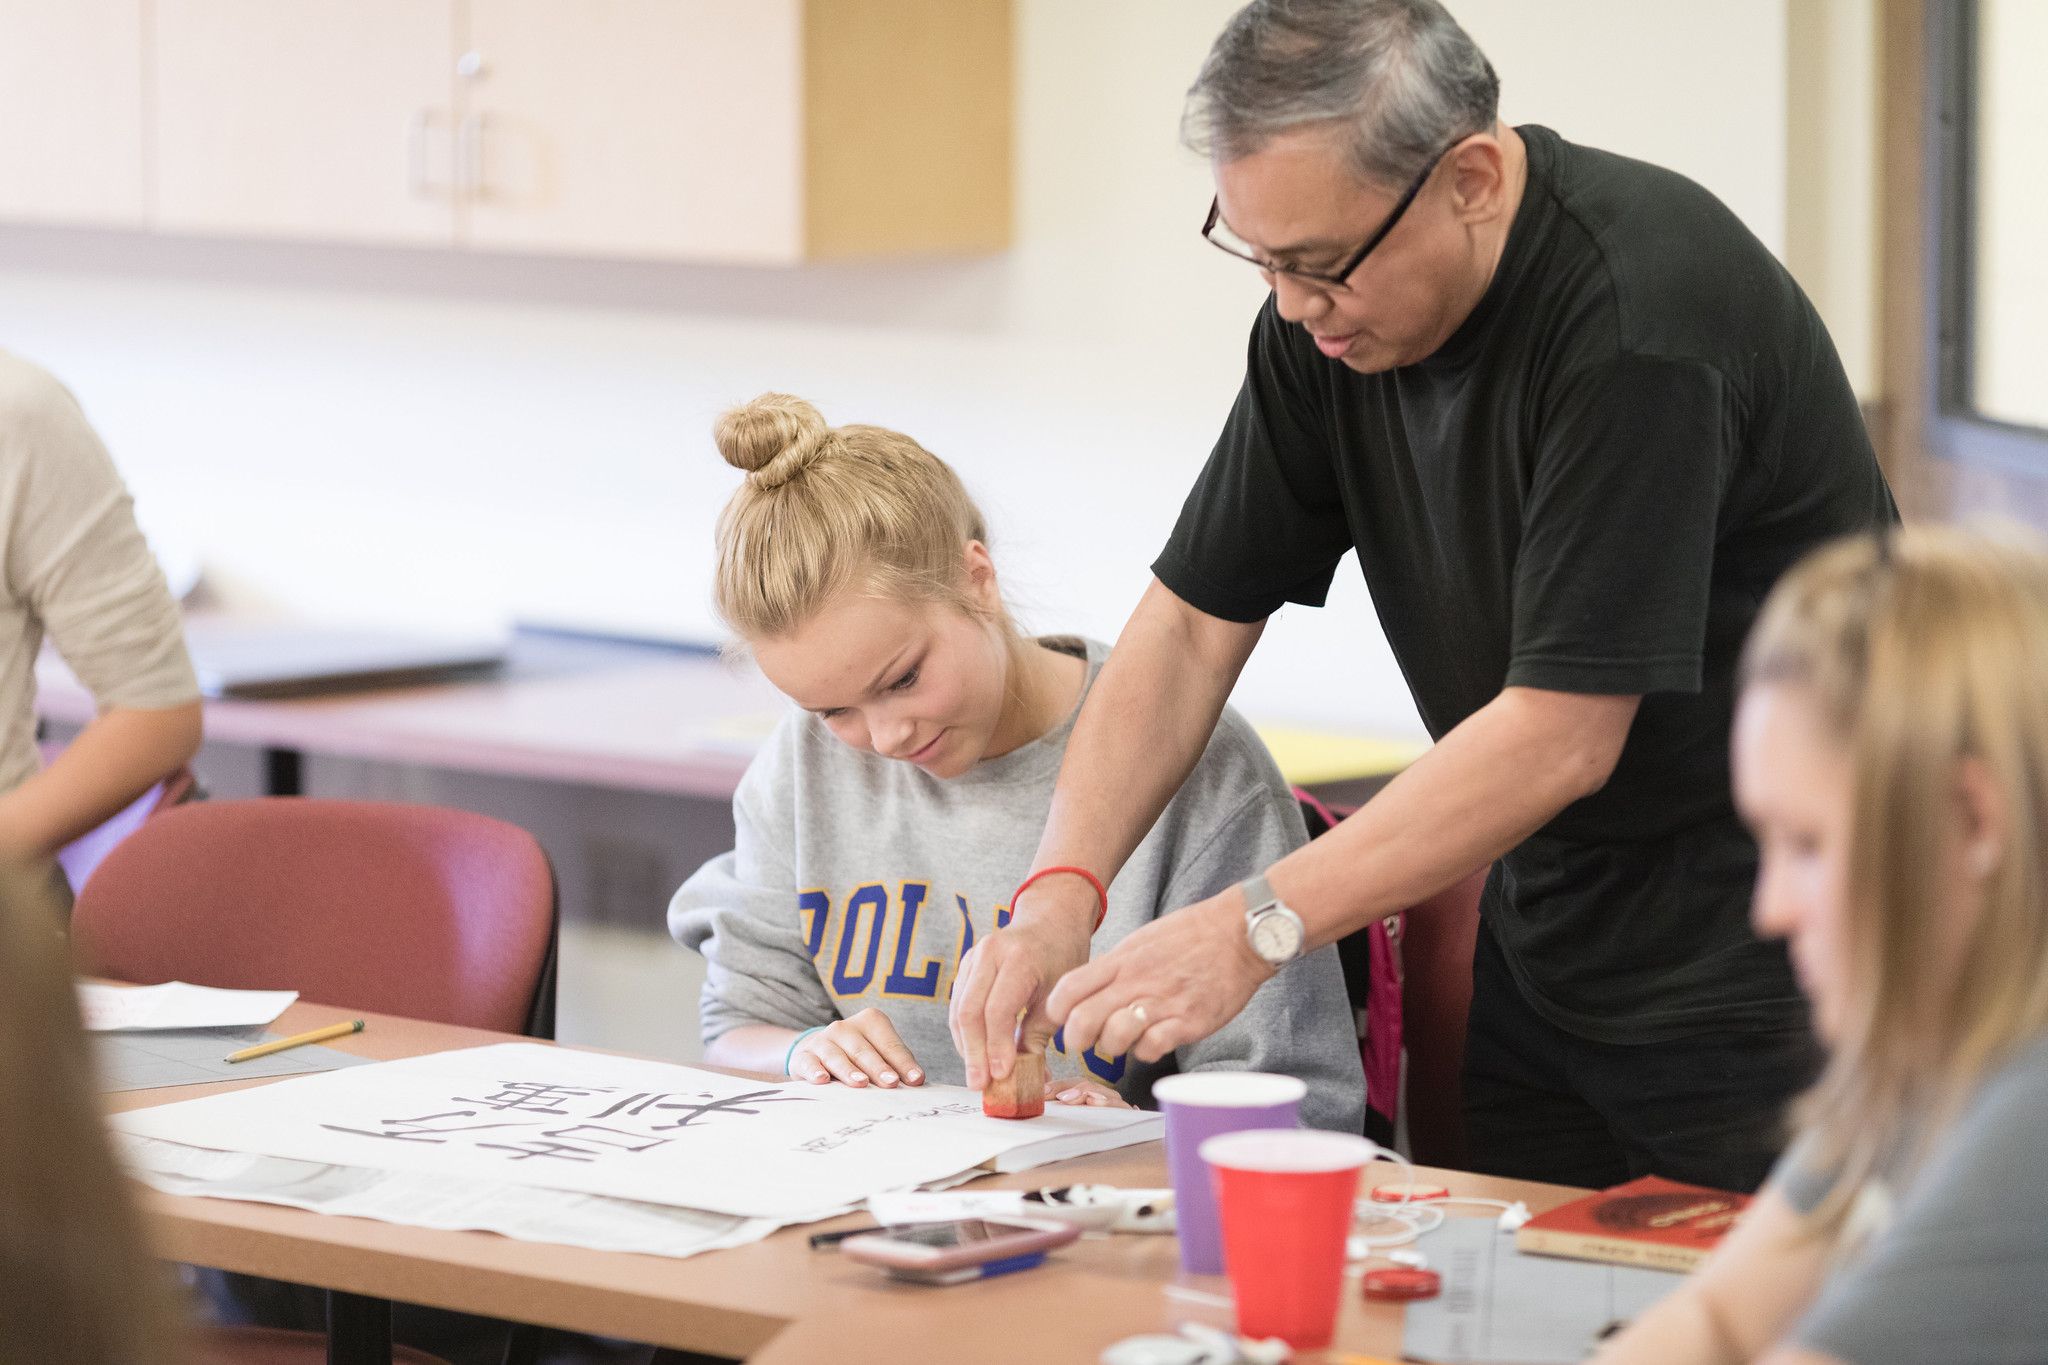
(1372, 978)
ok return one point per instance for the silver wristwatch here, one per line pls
(1275, 932)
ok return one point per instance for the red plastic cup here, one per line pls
(1285, 1195)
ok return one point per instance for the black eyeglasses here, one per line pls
(1217, 233)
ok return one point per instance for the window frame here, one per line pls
(1956, 430)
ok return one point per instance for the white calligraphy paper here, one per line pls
(176, 1004)
(525, 1212)
(631, 1129)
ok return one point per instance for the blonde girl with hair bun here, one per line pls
(1891, 754)
(884, 826)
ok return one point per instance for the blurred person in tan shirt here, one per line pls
(75, 568)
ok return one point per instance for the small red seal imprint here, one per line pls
(1402, 1283)
(1407, 1192)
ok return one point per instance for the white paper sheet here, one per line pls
(894, 1208)
(452, 1203)
(146, 1060)
(626, 1128)
(176, 1004)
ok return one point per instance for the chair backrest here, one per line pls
(1431, 943)
(418, 911)
(1437, 939)
(83, 855)
(1371, 960)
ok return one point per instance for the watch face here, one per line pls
(1276, 937)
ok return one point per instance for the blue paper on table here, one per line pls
(197, 1056)
(1500, 1306)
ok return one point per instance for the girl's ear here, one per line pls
(1983, 824)
(981, 576)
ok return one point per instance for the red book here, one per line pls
(1648, 1222)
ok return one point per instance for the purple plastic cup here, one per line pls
(1201, 1105)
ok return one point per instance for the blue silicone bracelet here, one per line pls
(790, 1055)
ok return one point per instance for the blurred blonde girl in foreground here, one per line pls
(1891, 754)
(77, 1285)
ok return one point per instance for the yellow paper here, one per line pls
(1308, 757)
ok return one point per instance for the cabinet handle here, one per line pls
(469, 154)
(417, 176)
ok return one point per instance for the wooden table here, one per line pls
(639, 717)
(775, 1302)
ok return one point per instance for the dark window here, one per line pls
(1989, 319)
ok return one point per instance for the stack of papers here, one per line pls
(454, 1203)
(559, 1145)
(179, 1034)
(176, 1005)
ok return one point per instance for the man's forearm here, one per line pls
(1485, 787)
(1144, 726)
(111, 762)
(1141, 731)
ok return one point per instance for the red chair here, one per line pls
(1437, 939)
(410, 910)
(416, 911)
(1430, 945)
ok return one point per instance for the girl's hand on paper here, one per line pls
(1079, 1090)
(858, 1051)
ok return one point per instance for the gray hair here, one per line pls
(1399, 78)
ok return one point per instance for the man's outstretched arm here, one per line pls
(1140, 733)
(1490, 783)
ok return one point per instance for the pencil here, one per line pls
(318, 1035)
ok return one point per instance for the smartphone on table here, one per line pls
(965, 1249)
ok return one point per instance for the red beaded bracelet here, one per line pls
(1101, 893)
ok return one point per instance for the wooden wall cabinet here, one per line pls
(645, 128)
(71, 90)
(751, 131)
(304, 118)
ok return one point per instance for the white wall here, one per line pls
(1831, 173)
(434, 438)
(2011, 343)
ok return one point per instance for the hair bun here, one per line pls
(774, 438)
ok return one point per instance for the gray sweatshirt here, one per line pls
(1953, 1256)
(859, 881)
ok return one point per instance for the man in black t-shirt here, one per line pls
(1575, 420)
